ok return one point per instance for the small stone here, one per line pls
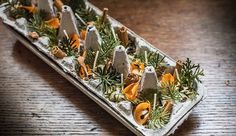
(22, 23)
(94, 84)
(44, 41)
(33, 35)
(227, 82)
(126, 106)
(68, 62)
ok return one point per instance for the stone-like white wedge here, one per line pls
(68, 22)
(93, 39)
(47, 6)
(120, 61)
(149, 79)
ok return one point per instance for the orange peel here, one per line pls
(53, 23)
(131, 91)
(76, 41)
(167, 79)
(142, 112)
(30, 9)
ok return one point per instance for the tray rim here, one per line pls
(102, 103)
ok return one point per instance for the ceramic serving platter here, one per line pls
(64, 68)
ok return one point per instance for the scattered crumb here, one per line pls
(227, 82)
(35, 115)
(92, 129)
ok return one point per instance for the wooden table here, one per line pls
(34, 99)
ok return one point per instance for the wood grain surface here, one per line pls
(35, 100)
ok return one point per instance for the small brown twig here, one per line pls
(123, 36)
(104, 15)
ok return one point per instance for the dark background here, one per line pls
(34, 99)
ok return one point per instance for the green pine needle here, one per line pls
(170, 92)
(66, 45)
(90, 56)
(154, 58)
(148, 95)
(37, 24)
(158, 118)
(108, 77)
(108, 40)
(189, 76)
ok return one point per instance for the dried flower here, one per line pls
(131, 91)
(137, 67)
(53, 23)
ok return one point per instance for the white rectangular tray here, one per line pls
(180, 111)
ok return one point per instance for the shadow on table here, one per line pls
(23, 56)
(188, 126)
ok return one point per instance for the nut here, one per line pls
(33, 35)
(56, 51)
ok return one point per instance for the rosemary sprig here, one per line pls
(108, 40)
(158, 118)
(107, 47)
(189, 76)
(37, 24)
(154, 58)
(79, 7)
(105, 51)
(87, 14)
(171, 92)
(37, 21)
(107, 76)
(147, 95)
(104, 28)
(190, 72)
(90, 56)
